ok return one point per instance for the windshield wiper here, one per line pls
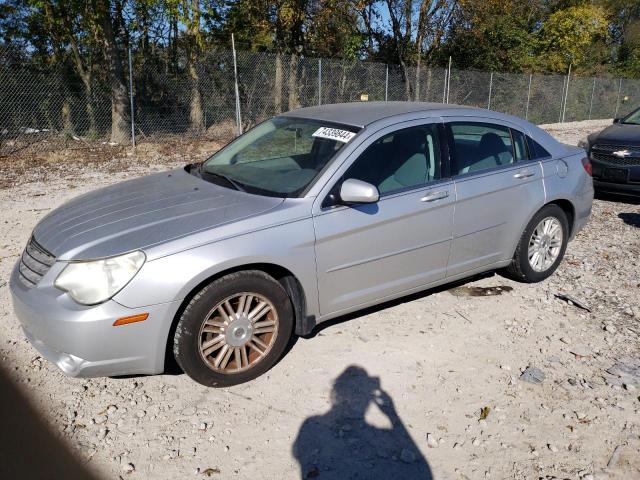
(226, 178)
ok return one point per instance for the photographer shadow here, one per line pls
(342, 445)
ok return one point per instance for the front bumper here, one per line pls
(622, 179)
(81, 340)
(617, 188)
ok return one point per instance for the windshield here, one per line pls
(279, 157)
(633, 119)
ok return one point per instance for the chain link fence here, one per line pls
(47, 110)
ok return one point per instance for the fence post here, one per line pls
(566, 95)
(386, 83)
(133, 121)
(449, 80)
(564, 80)
(618, 99)
(444, 88)
(526, 112)
(235, 78)
(490, 88)
(319, 81)
(593, 89)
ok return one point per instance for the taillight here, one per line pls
(587, 166)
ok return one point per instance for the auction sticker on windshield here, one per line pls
(334, 134)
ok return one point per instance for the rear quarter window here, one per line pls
(536, 151)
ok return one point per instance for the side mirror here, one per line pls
(357, 191)
(617, 120)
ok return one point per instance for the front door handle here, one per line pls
(524, 174)
(433, 196)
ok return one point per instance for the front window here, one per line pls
(400, 160)
(280, 157)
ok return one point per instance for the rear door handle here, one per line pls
(433, 196)
(524, 174)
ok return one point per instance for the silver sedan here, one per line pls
(310, 215)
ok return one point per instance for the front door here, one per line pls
(368, 252)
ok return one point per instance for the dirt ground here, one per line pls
(426, 387)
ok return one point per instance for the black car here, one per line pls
(615, 156)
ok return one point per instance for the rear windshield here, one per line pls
(279, 157)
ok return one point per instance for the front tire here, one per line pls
(541, 247)
(234, 329)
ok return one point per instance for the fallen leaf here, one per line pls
(484, 412)
(210, 471)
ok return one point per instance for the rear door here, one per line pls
(497, 190)
(365, 253)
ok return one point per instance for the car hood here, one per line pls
(620, 134)
(141, 213)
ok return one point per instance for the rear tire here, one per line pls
(234, 329)
(541, 246)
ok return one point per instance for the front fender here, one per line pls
(174, 277)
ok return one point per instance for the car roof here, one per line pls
(361, 114)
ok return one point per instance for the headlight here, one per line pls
(96, 281)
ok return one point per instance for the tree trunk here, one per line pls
(293, 83)
(196, 117)
(91, 115)
(86, 76)
(423, 21)
(67, 123)
(417, 90)
(277, 96)
(405, 76)
(428, 88)
(119, 108)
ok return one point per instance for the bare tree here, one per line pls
(277, 98)
(196, 116)
(119, 100)
(433, 20)
(430, 24)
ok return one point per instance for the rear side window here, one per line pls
(536, 150)
(481, 146)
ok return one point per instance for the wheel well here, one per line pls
(303, 323)
(569, 211)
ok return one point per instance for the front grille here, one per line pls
(604, 153)
(35, 262)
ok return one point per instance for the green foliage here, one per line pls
(572, 36)
(598, 36)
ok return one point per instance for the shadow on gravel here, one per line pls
(342, 445)
(392, 303)
(618, 198)
(30, 448)
(632, 219)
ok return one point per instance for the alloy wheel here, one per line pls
(545, 244)
(238, 332)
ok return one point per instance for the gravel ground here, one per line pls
(430, 385)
